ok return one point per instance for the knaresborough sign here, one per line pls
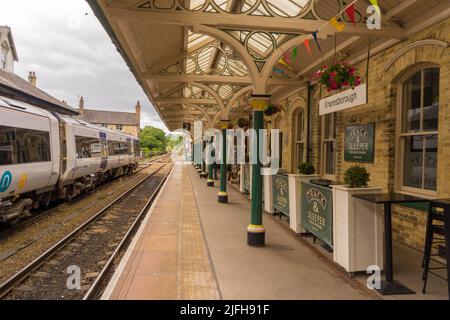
(344, 100)
(316, 213)
(359, 143)
(281, 193)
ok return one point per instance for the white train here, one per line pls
(46, 156)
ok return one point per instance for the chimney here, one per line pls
(81, 106)
(32, 78)
(138, 114)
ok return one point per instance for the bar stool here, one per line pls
(436, 241)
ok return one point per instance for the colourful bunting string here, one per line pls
(308, 48)
(287, 57)
(316, 40)
(350, 10)
(338, 26)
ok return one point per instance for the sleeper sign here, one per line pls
(5, 181)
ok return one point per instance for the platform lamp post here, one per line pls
(223, 194)
(256, 232)
(210, 181)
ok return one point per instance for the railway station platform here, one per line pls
(192, 247)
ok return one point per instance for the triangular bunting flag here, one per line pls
(351, 13)
(287, 57)
(338, 26)
(317, 41)
(306, 42)
(375, 4)
(294, 53)
(277, 70)
(284, 63)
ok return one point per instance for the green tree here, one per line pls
(173, 140)
(154, 139)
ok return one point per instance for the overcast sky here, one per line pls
(63, 42)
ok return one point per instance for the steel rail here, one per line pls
(23, 274)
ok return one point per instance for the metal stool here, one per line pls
(436, 241)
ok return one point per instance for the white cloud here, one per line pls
(73, 56)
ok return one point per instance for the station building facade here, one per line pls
(408, 101)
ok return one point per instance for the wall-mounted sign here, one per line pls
(359, 143)
(344, 100)
(317, 211)
(281, 193)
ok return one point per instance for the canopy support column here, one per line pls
(256, 232)
(223, 194)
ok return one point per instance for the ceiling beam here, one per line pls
(205, 78)
(185, 100)
(251, 23)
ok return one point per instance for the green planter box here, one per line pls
(317, 211)
(280, 191)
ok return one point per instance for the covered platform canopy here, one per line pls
(202, 59)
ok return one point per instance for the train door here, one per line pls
(104, 151)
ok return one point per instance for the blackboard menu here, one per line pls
(359, 143)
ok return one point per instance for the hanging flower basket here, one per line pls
(337, 76)
(272, 109)
(243, 123)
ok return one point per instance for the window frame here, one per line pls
(323, 143)
(295, 141)
(4, 51)
(401, 134)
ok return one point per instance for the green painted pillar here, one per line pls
(256, 233)
(223, 194)
(210, 181)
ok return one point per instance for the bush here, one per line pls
(306, 168)
(243, 123)
(356, 177)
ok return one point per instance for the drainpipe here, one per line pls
(308, 124)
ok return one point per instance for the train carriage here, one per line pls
(45, 156)
(29, 157)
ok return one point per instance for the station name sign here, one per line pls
(344, 100)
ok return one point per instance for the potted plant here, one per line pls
(357, 225)
(271, 110)
(337, 76)
(357, 177)
(243, 123)
(306, 168)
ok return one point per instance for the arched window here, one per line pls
(298, 138)
(417, 132)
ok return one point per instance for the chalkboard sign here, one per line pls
(281, 193)
(359, 143)
(317, 211)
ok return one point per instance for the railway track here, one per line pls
(5, 230)
(93, 248)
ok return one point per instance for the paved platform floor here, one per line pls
(192, 247)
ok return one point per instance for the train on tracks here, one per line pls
(46, 156)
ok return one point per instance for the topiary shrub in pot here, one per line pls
(306, 168)
(243, 123)
(356, 177)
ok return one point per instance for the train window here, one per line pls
(7, 145)
(32, 146)
(18, 145)
(117, 148)
(137, 148)
(87, 147)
